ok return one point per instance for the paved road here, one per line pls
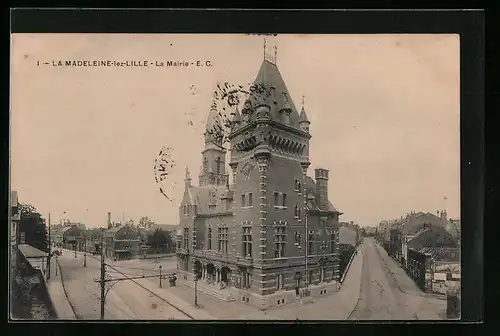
(126, 300)
(381, 297)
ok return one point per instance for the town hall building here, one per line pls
(270, 236)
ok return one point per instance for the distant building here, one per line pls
(430, 247)
(71, 237)
(413, 224)
(171, 228)
(15, 217)
(122, 242)
(348, 234)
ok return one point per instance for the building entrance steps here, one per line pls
(212, 290)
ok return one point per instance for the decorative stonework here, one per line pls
(263, 163)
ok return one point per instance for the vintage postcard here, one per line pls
(235, 177)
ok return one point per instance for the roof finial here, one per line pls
(275, 53)
(302, 100)
(188, 177)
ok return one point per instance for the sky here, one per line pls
(384, 112)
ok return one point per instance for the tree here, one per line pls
(160, 240)
(33, 225)
(146, 223)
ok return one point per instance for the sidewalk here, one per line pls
(335, 307)
(430, 306)
(57, 294)
(404, 282)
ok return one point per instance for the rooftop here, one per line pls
(31, 252)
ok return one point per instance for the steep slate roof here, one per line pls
(434, 236)
(453, 227)
(30, 251)
(442, 253)
(200, 196)
(311, 198)
(270, 77)
(303, 115)
(414, 222)
(115, 229)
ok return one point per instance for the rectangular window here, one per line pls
(280, 281)
(296, 188)
(218, 162)
(219, 240)
(310, 244)
(276, 199)
(186, 238)
(247, 242)
(209, 238)
(279, 241)
(243, 200)
(284, 200)
(250, 200)
(332, 243)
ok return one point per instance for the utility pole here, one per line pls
(50, 253)
(160, 277)
(103, 273)
(84, 251)
(196, 291)
(306, 215)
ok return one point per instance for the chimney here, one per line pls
(321, 176)
(109, 220)
(444, 215)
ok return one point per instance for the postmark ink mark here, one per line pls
(163, 168)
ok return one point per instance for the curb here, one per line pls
(360, 284)
(65, 292)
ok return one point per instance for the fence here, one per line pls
(349, 265)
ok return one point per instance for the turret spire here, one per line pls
(270, 56)
(303, 120)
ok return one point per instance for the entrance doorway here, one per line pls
(297, 283)
(197, 269)
(211, 273)
(225, 275)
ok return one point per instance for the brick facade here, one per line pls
(253, 234)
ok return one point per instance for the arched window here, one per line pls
(218, 165)
(205, 164)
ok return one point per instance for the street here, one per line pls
(386, 297)
(385, 293)
(126, 299)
